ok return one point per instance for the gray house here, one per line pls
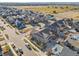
(40, 37)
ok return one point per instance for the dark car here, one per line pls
(28, 46)
(20, 50)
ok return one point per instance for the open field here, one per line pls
(69, 14)
(48, 9)
(61, 11)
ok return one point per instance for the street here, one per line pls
(16, 39)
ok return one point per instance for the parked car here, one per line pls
(20, 50)
(28, 46)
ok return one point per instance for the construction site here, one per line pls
(44, 29)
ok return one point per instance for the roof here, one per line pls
(40, 37)
(57, 49)
(50, 44)
(74, 42)
(76, 36)
(0, 49)
(61, 34)
(72, 30)
(68, 52)
(1, 53)
(52, 27)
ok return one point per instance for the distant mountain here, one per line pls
(38, 3)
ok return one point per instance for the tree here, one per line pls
(56, 7)
(54, 12)
(67, 7)
(7, 47)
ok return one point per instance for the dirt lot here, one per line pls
(47, 9)
(69, 14)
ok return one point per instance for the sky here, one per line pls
(39, 0)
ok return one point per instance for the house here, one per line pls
(76, 26)
(21, 17)
(68, 52)
(61, 34)
(61, 24)
(50, 17)
(73, 42)
(19, 24)
(53, 27)
(42, 25)
(72, 30)
(46, 38)
(40, 37)
(75, 37)
(70, 22)
(10, 19)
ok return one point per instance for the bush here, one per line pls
(54, 12)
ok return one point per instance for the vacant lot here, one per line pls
(69, 14)
(48, 9)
